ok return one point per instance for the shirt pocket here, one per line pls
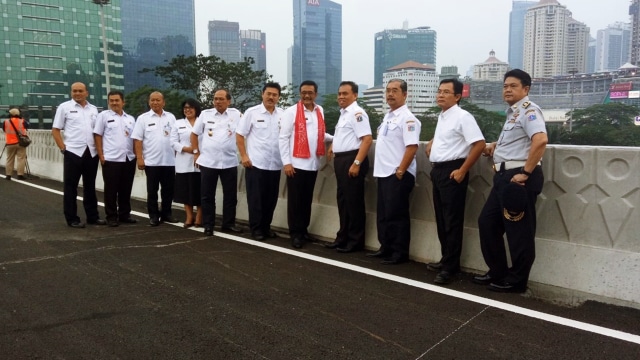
(261, 124)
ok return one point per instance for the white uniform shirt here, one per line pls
(455, 132)
(288, 137)
(399, 129)
(352, 125)
(77, 122)
(217, 138)
(261, 130)
(181, 137)
(116, 131)
(155, 133)
(524, 119)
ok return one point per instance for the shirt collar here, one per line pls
(515, 106)
(449, 111)
(397, 111)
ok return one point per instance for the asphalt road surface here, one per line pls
(137, 292)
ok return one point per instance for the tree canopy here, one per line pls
(199, 76)
(609, 124)
(137, 102)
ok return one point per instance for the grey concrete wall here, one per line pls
(588, 238)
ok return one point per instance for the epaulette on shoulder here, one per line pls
(526, 104)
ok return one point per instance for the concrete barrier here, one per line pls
(588, 238)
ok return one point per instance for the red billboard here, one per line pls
(465, 90)
(626, 86)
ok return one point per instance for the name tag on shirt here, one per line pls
(110, 121)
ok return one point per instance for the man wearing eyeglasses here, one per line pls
(456, 146)
(302, 146)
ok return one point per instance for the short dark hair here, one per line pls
(274, 85)
(116, 92)
(309, 83)
(457, 86)
(194, 104)
(354, 86)
(225, 91)
(524, 78)
(403, 84)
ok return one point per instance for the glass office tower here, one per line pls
(317, 45)
(47, 45)
(154, 32)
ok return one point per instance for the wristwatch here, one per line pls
(195, 151)
(356, 162)
(62, 151)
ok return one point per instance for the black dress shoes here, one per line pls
(378, 254)
(154, 222)
(349, 249)
(208, 232)
(485, 279)
(434, 266)
(270, 234)
(98, 222)
(443, 278)
(231, 229)
(393, 260)
(128, 220)
(332, 245)
(507, 287)
(258, 236)
(76, 225)
(169, 219)
(297, 242)
(112, 223)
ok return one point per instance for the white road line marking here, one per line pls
(620, 335)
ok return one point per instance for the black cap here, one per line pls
(514, 201)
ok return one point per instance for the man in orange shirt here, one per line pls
(15, 122)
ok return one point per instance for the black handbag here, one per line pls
(23, 140)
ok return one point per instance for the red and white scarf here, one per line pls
(301, 143)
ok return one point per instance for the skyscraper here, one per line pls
(516, 32)
(153, 32)
(253, 44)
(224, 40)
(46, 48)
(554, 42)
(634, 12)
(396, 46)
(317, 44)
(613, 47)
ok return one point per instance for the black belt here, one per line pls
(451, 163)
(346, 153)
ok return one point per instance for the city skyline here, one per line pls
(464, 46)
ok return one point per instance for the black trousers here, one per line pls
(521, 234)
(449, 198)
(118, 181)
(163, 178)
(209, 183)
(75, 167)
(262, 198)
(350, 198)
(299, 197)
(393, 218)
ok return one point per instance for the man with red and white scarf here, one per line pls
(302, 146)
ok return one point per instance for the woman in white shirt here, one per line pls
(187, 184)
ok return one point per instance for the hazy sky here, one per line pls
(467, 29)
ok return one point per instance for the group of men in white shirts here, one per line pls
(269, 140)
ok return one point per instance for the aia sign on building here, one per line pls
(313, 2)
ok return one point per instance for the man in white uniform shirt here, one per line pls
(351, 142)
(302, 145)
(217, 158)
(395, 168)
(77, 118)
(456, 146)
(152, 145)
(257, 140)
(114, 144)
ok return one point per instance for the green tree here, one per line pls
(137, 102)
(605, 124)
(201, 75)
(490, 122)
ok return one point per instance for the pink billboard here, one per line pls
(619, 94)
